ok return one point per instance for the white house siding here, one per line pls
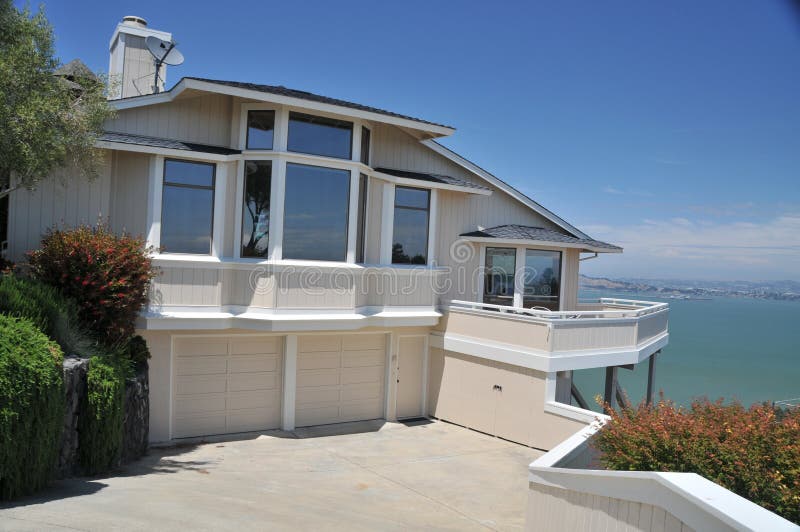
(198, 117)
(63, 199)
(129, 182)
(374, 210)
(138, 66)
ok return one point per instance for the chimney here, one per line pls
(132, 69)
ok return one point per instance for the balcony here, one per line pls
(601, 333)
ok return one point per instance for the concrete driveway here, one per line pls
(355, 476)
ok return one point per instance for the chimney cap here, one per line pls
(133, 20)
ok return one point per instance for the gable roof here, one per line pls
(286, 96)
(433, 178)
(540, 234)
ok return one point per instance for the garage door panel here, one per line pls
(256, 346)
(250, 363)
(319, 360)
(201, 346)
(199, 426)
(247, 420)
(362, 375)
(201, 403)
(265, 380)
(314, 344)
(317, 396)
(359, 342)
(317, 416)
(200, 384)
(255, 399)
(201, 365)
(362, 392)
(359, 411)
(354, 359)
(317, 377)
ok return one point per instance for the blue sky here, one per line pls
(670, 128)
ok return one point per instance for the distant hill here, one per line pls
(693, 289)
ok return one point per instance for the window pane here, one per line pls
(410, 242)
(498, 285)
(411, 197)
(260, 130)
(320, 136)
(542, 279)
(188, 173)
(315, 217)
(362, 218)
(186, 219)
(255, 209)
(365, 134)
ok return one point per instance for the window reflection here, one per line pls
(187, 210)
(411, 213)
(260, 129)
(255, 209)
(315, 213)
(318, 135)
(542, 279)
(498, 284)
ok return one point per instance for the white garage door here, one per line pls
(340, 378)
(226, 384)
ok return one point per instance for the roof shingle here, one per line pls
(156, 142)
(431, 178)
(524, 232)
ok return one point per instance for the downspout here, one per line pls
(589, 258)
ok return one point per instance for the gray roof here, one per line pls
(156, 142)
(432, 178)
(524, 232)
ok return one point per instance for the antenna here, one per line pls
(165, 53)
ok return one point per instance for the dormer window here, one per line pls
(317, 135)
(260, 129)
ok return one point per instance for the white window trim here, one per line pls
(154, 200)
(246, 108)
(387, 224)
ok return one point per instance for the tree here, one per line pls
(50, 117)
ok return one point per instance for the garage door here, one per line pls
(226, 384)
(340, 378)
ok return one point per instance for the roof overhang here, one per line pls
(540, 243)
(166, 152)
(432, 130)
(417, 183)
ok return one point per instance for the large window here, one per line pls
(260, 130)
(542, 279)
(410, 240)
(315, 213)
(498, 283)
(362, 218)
(187, 211)
(255, 208)
(318, 135)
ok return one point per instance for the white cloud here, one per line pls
(680, 247)
(620, 192)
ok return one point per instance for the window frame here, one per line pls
(560, 253)
(426, 209)
(239, 227)
(275, 125)
(213, 188)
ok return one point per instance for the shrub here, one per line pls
(101, 420)
(136, 350)
(752, 452)
(31, 407)
(108, 275)
(53, 314)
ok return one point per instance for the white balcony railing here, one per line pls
(603, 308)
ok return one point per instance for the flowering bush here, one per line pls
(754, 452)
(107, 275)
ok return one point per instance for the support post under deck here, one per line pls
(610, 396)
(651, 378)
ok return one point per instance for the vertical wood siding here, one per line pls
(205, 119)
(64, 199)
(129, 182)
(552, 508)
(138, 67)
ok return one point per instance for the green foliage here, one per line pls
(753, 452)
(108, 275)
(31, 407)
(49, 119)
(136, 350)
(101, 419)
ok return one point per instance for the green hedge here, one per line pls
(31, 407)
(101, 420)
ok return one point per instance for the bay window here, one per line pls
(187, 210)
(316, 209)
(411, 217)
(255, 208)
(362, 218)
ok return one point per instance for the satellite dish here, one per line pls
(165, 53)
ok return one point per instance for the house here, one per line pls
(323, 261)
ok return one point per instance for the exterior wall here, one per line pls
(201, 118)
(138, 67)
(462, 390)
(552, 508)
(569, 284)
(62, 199)
(374, 213)
(129, 182)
